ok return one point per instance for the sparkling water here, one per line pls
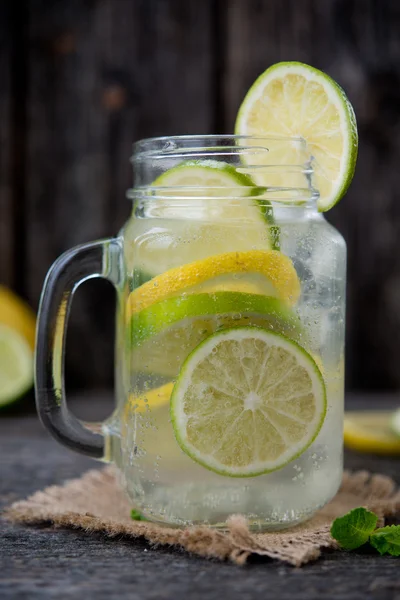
(163, 482)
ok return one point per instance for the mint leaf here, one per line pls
(137, 516)
(387, 540)
(353, 529)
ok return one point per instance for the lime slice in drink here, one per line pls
(293, 99)
(204, 208)
(162, 335)
(272, 271)
(206, 178)
(247, 401)
(16, 365)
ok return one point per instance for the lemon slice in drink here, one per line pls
(204, 207)
(371, 431)
(291, 99)
(16, 365)
(148, 400)
(162, 335)
(275, 270)
(247, 401)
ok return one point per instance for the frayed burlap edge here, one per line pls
(96, 502)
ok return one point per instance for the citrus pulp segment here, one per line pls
(292, 99)
(162, 335)
(247, 401)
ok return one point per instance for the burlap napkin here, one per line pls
(96, 502)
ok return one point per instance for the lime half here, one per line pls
(16, 365)
(291, 99)
(204, 208)
(247, 401)
(162, 336)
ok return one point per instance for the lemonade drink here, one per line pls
(167, 484)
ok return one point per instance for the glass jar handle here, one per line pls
(96, 259)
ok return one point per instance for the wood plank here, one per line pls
(357, 43)
(6, 204)
(102, 74)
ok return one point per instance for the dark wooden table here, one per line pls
(41, 563)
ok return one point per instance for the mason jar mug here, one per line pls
(229, 357)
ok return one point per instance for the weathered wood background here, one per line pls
(82, 79)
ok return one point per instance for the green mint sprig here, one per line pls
(353, 529)
(358, 526)
(387, 540)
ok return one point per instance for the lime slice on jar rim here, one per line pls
(292, 99)
(247, 401)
